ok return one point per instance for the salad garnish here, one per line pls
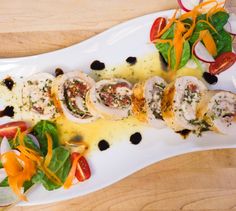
(203, 32)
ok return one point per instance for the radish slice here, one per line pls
(34, 139)
(188, 5)
(230, 26)
(3, 174)
(7, 197)
(202, 53)
(5, 146)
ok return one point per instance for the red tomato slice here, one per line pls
(9, 129)
(222, 63)
(83, 171)
(157, 26)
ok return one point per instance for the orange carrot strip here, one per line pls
(71, 174)
(49, 154)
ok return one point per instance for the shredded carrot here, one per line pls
(71, 174)
(19, 169)
(50, 175)
(31, 154)
(11, 164)
(168, 25)
(178, 43)
(49, 154)
(57, 104)
(209, 42)
(212, 27)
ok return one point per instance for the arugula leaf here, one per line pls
(40, 130)
(30, 144)
(4, 183)
(60, 165)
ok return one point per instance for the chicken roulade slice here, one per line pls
(69, 92)
(180, 102)
(218, 109)
(36, 96)
(110, 99)
(146, 101)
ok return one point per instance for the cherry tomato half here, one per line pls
(222, 63)
(9, 130)
(157, 26)
(82, 171)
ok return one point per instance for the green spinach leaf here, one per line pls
(40, 130)
(219, 19)
(186, 54)
(60, 165)
(4, 183)
(169, 34)
(223, 42)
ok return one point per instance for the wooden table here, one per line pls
(203, 180)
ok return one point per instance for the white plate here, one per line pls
(122, 159)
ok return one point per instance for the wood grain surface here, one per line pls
(201, 180)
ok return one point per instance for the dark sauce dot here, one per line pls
(8, 111)
(103, 145)
(209, 78)
(9, 83)
(135, 138)
(97, 65)
(58, 71)
(184, 133)
(131, 60)
(164, 64)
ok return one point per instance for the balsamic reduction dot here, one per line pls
(9, 83)
(131, 60)
(103, 145)
(97, 65)
(135, 138)
(59, 71)
(184, 133)
(209, 78)
(8, 111)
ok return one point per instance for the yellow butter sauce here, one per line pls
(145, 67)
(92, 133)
(112, 131)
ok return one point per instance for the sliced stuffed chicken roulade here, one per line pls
(110, 99)
(69, 92)
(180, 102)
(36, 96)
(218, 110)
(146, 101)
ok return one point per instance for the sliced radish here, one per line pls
(34, 139)
(5, 146)
(202, 53)
(3, 174)
(188, 5)
(7, 196)
(230, 26)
